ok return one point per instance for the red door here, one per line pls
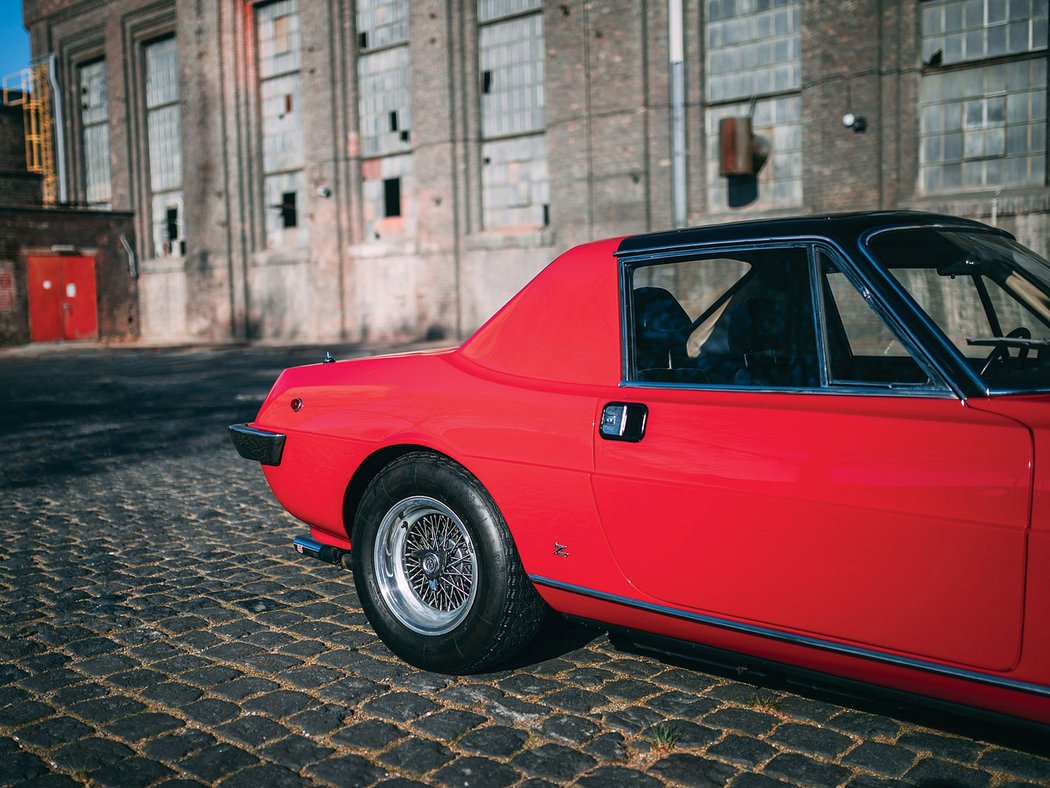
(62, 301)
(897, 523)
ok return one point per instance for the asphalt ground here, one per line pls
(157, 628)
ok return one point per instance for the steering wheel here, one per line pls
(1000, 353)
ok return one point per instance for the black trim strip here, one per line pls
(798, 640)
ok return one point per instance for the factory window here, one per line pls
(163, 135)
(753, 68)
(94, 121)
(383, 81)
(392, 196)
(277, 31)
(289, 215)
(982, 104)
(383, 78)
(515, 181)
(958, 31)
(490, 10)
(382, 23)
(387, 190)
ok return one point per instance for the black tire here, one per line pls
(436, 569)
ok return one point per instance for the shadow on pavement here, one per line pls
(918, 710)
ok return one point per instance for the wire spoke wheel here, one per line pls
(425, 565)
(436, 568)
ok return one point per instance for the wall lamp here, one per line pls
(856, 122)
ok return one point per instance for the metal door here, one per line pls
(62, 298)
(899, 523)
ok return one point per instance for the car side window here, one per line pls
(861, 349)
(743, 318)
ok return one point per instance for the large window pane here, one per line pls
(736, 319)
(163, 133)
(280, 94)
(94, 119)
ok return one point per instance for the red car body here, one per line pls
(902, 541)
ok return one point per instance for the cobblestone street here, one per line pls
(157, 627)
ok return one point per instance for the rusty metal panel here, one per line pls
(735, 149)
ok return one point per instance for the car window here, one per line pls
(989, 296)
(860, 347)
(740, 319)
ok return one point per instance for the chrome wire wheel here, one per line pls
(425, 565)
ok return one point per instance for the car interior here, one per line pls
(762, 335)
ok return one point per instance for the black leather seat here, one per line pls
(661, 329)
(764, 337)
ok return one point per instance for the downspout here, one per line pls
(676, 46)
(59, 127)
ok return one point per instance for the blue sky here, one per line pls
(14, 41)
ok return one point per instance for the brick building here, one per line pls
(319, 170)
(65, 273)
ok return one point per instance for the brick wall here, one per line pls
(30, 231)
(606, 89)
(17, 185)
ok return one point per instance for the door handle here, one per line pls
(623, 421)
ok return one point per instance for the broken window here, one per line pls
(277, 31)
(515, 181)
(385, 112)
(289, 217)
(392, 196)
(382, 23)
(982, 124)
(164, 141)
(94, 121)
(385, 101)
(387, 191)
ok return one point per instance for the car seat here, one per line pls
(661, 328)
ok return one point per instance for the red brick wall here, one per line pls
(27, 231)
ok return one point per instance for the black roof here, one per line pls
(843, 228)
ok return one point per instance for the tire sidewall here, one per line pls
(458, 650)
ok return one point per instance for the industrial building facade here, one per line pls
(333, 169)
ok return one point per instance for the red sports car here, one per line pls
(823, 441)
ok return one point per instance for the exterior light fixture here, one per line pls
(855, 122)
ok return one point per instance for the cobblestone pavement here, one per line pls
(156, 627)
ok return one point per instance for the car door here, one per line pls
(791, 466)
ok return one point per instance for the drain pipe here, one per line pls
(677, 63)
(58, 126)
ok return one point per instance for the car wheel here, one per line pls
(436, 569)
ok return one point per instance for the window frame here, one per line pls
(272, 236)
(178, 244)
(886, 316)
(489, 212)
(83, 126)
(938, 387)
(388, 154)
(947, 349)
(928, 70)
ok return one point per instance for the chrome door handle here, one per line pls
(623, 421)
